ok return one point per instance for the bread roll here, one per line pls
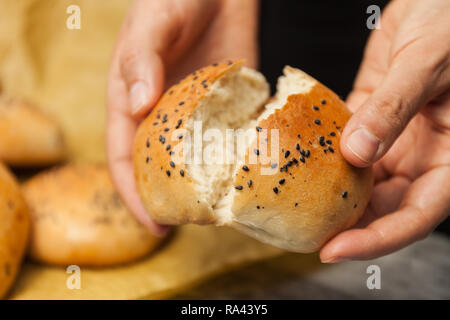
(28, 136)
(78, 218)
(14, 228)
(291, 187)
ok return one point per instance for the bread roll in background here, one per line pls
(28, 137)
(298, 202)
(14, 229)
(78, 218)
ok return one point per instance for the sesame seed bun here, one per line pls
(14, 229)
(78, 218)
(29, 137)
(297, 201)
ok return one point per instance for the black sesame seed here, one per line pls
(172, 164)
(297, 146)
(323, 101)
(302, 152)
(302, 159)
(354, 206)
(171, 153)
(316, 108)
(162, 139)
(338, 127)
(238, 187)
(331, 149)
(344, 194)
(155, 123)
(317, 122)
(164, 120)
(275, 189)
(329, 142)
(182, 172)
(181, 103)
(168, 173)
(325, 151)
(256, 151)
(286, 154)
(258, 129)
(296, 204)
(180, 136)
(147, 159)
(289, 163)
(249, 183)
(307, 153)
(294, 160)
(274, 165)
(147, 144)
(245, 168)
(168, 147)
(282, 181)
(258, 207)
(299, 136)
(158, 116)
(178, 124)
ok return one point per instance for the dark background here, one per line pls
(325, 38)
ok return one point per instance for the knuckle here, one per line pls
(392, 108)
(129, 61)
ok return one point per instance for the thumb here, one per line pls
(143, 74)
(408, 85)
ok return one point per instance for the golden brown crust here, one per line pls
(156, 179)
(304, 203)
(78, 218)
(28, 137)
(14, 229)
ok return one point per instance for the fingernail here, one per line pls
(363, 144)
(335, 260)
(138, 96)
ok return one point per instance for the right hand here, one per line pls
(159, 43)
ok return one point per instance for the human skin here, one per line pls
(400, 100)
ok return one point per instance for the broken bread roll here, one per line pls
(78, 218)
(29, 137)
(14, 229)
(297, 198)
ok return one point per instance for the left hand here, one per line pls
(401, 124)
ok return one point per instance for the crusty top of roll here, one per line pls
(77, 217)
(29, 137)
(315, 192)
(167, 191)
(14, 229)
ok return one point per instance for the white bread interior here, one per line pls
(236, 101)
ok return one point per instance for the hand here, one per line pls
(160, 42)
(401, 124)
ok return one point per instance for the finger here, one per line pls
(120, 134)
(424, 206)
(143, 42)
(407, 86)
(386, 197)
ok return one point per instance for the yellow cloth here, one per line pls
(64, 72)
